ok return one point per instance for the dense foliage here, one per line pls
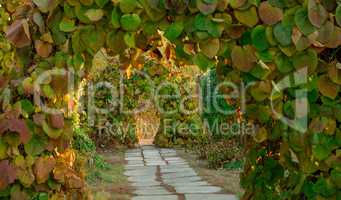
(259, 41)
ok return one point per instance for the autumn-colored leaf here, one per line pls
(327, 87)
(19, 34)
(243, 58)
(210, 47)
(247, 17)
(16, 125)
(317, 13)
(43, 167)
(7, 175)
(269, 14)
(43, 49)
(57, 120)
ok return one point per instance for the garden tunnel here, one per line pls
(263, 47)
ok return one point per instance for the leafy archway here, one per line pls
(258, 42)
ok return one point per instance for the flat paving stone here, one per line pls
(135, 162)
(146, 184)
(149, 172)
(178, 175)
(133, 154)
(197, 189)
(210, 197)
(129, 166)
(183, 180)
(151, 191)
(156, 197)
(197, 183)
(134, 158)
(141, 178)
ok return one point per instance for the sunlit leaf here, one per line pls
(130, 22)
(94, 14)
(174, 30)
(128, 6)
(203, 62)
(43, 49)
(67, 25)
(115, 18)
(247, 17)
(101, 3)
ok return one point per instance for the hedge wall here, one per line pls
(260, 42)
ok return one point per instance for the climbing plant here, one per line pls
(260, 42)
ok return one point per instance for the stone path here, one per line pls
(159, 174)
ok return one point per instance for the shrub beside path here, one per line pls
(157, 173)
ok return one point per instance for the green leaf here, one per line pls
(128, 6)
(247, 17)
(3, 149)
(87, 2)
(94, 14)
(283, 63)
(80, 13)
(335, 176)
(67, 25)
(174, 31)
(36, 145)
(101, 3)
(129, 39)
(115, 19)
(261, 135)
(51, 132)
(303, 23)
(324, 187)
(259, 39)
(305, 59)
(237, 3)
(27, 106)
(338, 15)
(261, 90)
(203, 62)
(48, 91)
(282, 34)
(130, 22)
(100, 62)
